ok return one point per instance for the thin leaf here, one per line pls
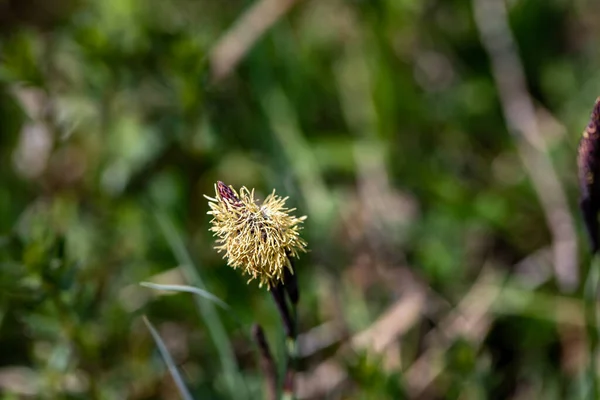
(185, 394)
(188, 289)
(208, 313)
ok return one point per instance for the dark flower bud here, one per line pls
(588, 164)
(227, 194)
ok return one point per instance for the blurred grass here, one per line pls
(164, 352)
(382, 122)
(211, 319)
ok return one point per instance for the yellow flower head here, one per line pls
(256, 238)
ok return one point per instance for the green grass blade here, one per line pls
(187, 289)
(208, 313)
(185, 394)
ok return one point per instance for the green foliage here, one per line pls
(380, 120)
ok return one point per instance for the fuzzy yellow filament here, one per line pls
(255, 238)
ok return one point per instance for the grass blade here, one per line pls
(185, 394)
(187, 289)
(208, 313)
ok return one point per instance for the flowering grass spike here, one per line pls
(256, 238)
(588, 163)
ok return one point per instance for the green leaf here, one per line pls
(185, 394)
(188, 289)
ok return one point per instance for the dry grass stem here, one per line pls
(234, 45)
(492, 22)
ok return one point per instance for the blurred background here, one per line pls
(432, 145)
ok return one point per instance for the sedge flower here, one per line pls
(256, 238)
(588, 163)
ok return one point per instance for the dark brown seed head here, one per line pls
(588, 165)
(227, 194)
(589, 150)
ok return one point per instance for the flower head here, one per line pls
(588, 164)
(256, 238)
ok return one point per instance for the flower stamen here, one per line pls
(256, 239)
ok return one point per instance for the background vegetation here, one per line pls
(446, 250)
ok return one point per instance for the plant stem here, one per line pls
(287, 311)
(267, 362)
(292, 354)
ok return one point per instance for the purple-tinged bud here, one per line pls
(588, 164)
(227, 194)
